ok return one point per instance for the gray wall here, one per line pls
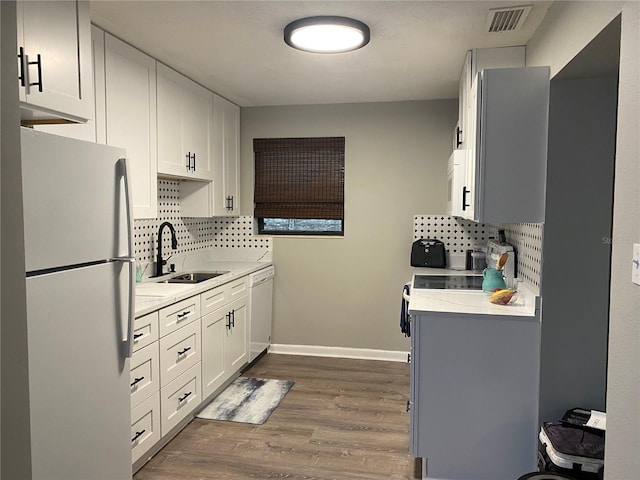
(566, 29)
(576, 248)
(345, 292)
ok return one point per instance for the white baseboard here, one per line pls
(340, 352)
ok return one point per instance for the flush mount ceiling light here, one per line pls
(326, 34)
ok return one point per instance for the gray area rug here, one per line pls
(247, 400)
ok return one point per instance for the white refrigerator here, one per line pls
(80, 286)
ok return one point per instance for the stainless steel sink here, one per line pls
(192, 277)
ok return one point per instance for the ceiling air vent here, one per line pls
(507, 19)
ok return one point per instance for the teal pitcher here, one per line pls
(492, 279)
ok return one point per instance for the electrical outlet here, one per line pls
(635, 264)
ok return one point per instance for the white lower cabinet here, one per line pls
(225, 336)
(145, 426)
(213, 340)
(179, 351)
(180, 398)
(184, 354)
(236, 352)
(145, 378)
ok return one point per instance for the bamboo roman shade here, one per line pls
(301, 178)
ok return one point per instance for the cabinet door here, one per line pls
(225, 195)
(214, 375)
(93, 129)
(171, 159)
(237, 339)
(58, 82)
(185, 111)
(197, 117)
(130, 109)
(463, 99)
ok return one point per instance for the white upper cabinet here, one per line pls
(54, 61)
(130, 118)
(225, 193)
(185, 114)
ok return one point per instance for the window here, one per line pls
(299, 186)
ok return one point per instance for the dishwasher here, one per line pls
(260, 310)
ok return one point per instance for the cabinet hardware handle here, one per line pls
(182, 352)
(408, 406)
(22, 78)
(408, 358)
(188, 165)
(136, 381)
(464, 198)
(233, 318)
(38, 62)
(194, 162)
(184, 397)
(231, 202)
(137, 435)
(458, 136)
(137, 336)
(183, 314)
(228, 317)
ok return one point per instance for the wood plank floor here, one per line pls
(343, 419)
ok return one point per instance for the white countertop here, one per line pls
(151, 296)
(469, 302)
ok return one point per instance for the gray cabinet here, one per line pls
(507, 164)
(474, 395)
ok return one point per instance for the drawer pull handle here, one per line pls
(184, 397)
(408, 406)
(182, 352)
(137, 381)
(136, 336)
(137, 435)
(183, 314)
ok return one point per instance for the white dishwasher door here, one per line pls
(260, 310)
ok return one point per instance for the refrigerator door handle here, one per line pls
(131, 315)
(124, 164)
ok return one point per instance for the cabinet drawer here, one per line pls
(145, 373)
(213, 299)
(224, 294)
(179, 314)
(180, 398)
(145, 426)
(145, 331)
(237, 288)
(179, 351)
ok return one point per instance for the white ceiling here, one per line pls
(236, 48)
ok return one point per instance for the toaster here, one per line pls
(428, 252)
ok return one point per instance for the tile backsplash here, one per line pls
(459, 235)
(193, 234)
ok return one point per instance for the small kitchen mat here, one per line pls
(247, 400)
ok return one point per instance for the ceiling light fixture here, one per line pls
(326, 34)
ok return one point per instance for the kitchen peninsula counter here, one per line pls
(472, 302)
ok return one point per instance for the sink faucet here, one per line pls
(174, 244)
